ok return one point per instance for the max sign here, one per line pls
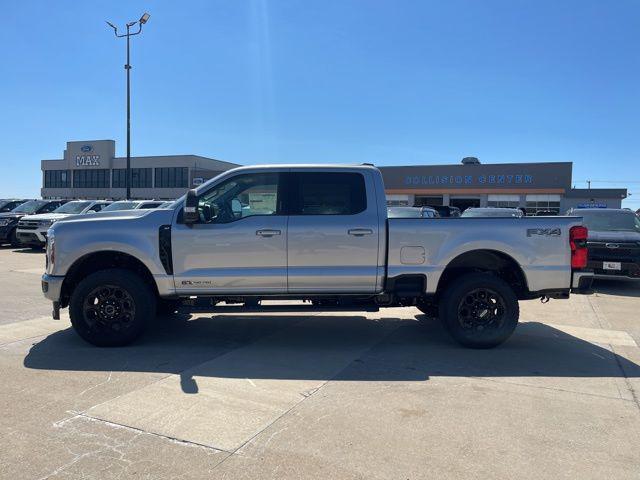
(86, 158)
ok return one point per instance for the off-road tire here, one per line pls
(479, 310)
(94, 316)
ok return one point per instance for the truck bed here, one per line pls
(539, 245)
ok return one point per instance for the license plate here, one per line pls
(611, 266)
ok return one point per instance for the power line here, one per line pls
(606, 181)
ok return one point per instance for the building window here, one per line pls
(397, 200)
(91, 178)
(422, 201)
(172, 177)
(542, 203)
(56, 178)
(503, 201)
(140, 178)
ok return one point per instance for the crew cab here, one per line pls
(613, 243)
(32, 229)
(318, 234)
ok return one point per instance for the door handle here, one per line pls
(360, 232)
(268, 233)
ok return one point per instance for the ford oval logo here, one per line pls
(612, 245)
(86, 148)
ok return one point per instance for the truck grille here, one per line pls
(624, 252)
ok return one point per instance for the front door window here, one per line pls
(241, 197)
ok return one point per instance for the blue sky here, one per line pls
(390, 82)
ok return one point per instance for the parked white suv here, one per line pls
(134, 205)
(32, 229)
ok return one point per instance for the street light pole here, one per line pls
(144, 19)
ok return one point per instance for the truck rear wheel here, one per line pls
(111, 308)
(480, 310)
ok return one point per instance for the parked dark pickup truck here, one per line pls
(613, 242)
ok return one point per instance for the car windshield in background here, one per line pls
(31, 206)
(610, 221)
(72, 207)
(492, 212)
(150, 205)
(404, 212)
(120, 206)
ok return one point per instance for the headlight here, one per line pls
(46, 223)
(51, 252)
(5, 221)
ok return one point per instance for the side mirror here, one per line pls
(190, 212)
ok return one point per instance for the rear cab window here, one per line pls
(328, 193)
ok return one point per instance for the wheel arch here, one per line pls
(102, 260)
(495, 262)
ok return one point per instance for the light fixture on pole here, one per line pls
(143, 19)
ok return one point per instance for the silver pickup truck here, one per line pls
(306, 232)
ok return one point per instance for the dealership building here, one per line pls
(532, 186)
(90, 169)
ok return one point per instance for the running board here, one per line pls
(279, 308)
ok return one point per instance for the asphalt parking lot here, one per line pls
(378, 395)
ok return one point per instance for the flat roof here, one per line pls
(473, 165)
(169, 157)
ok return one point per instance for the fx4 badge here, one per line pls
(544, 232)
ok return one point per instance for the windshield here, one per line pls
(610, 221)
(120, 206)
(407, 212)
(490, 212)
(72, 207)
(31, 206)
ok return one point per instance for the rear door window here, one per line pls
(328, 193)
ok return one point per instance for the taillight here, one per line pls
(578, 243)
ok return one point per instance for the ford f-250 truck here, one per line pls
(314, 233)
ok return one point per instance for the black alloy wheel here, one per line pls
(112, 307)
(479, 310)
(109, 307)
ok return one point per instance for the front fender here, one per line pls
(136, 236)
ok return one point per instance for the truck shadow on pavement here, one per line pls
(339, 348)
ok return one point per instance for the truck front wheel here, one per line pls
(111, 308)
(479, 310)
